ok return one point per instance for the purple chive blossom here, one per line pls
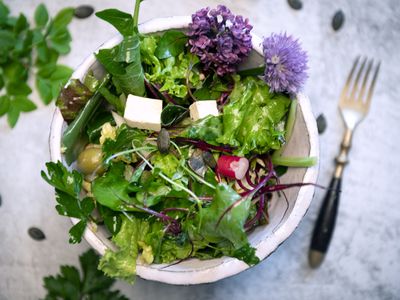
(286, 63)
(220, 39)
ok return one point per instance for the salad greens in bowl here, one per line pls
(182, 149)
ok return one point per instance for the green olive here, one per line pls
(90, 160)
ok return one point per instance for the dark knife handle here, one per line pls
(325, 225)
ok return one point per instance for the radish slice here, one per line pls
(232, 166)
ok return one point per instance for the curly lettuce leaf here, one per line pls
(174, 248)
(171, 72)
(122, 263)
(254, 117)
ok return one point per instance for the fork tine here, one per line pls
(348, 81)
(372, 86)
(364, 84)
(355, 85)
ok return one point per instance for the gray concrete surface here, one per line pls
(364, 257)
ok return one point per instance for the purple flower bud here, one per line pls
(220, 39)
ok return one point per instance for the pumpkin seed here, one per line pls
(209, 159)
(163, 141)
(36, 234)
(196, 163)
(321, 123)
(295, 4)
(83, 11)
(338, 20)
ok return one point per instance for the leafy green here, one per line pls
(124, 140)
(122, 21)
(35, 50)
(127, 77)
(41, 15)
(152, 191)
(172, 43)
(166, 163)
(211, 88)
(172, 73)
(208, 129)
(203, 190)
(174, 248)
(111, 189)
(63, 18)
(4, 105)
(111, 218)
(72, 99)
(123, 61)
(71, 285)
(122, 263)
(254, 118)
(68, 186)
(247, 254)
(91, 82)
(128, 50)
(117, 102)
(93, 128)
(74, 131)
(215, 226)
(172, 114)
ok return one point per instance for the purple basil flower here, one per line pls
(220, 39)
(286, 63)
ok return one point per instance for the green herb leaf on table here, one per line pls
(28, 50)
(63, 17)
(90, 283)
(41, 16)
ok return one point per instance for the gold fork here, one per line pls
(354, 104)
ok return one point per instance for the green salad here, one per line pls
(175, 151)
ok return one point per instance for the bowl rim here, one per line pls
(228, 266)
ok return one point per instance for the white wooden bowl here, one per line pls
(284, 217)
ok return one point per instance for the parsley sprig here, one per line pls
(68, 186)
(91, 283)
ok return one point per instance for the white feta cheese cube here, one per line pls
(143, 113)
(203, 108)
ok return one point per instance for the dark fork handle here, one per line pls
(325, 225)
